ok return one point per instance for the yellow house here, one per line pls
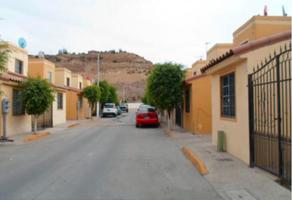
(56, 114)
(236, 109)
(77, 106)
(197, 101)
(17, 68)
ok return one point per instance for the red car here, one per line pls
(146, 115)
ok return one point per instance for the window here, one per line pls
(80, 102)
(187, 99)
(60, 101)
(50, 76)
(68, 81)
(18, 107)
(227, 83)
(18, 66)
(80, 85)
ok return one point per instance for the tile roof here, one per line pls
(249, 46)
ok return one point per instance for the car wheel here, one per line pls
(137, 126)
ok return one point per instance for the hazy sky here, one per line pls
(159, 30)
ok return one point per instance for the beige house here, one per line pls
(229, 66)
(77, 106)
(17, 69)
(56, 114)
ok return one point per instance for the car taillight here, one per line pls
(152, 115)
(140, 116)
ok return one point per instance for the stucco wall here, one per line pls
(59, 115)
(237, 129)
(199, 119)
(261, 26)
(15, 124)
(76, 79)
(61, 75)
(20, 54)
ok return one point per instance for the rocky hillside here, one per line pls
(126, 71)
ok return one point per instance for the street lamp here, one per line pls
(97, 81)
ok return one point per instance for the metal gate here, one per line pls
(45, 120)
(269, 89)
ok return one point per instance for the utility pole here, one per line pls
(97, 81)
(98, 69)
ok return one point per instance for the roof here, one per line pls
(249, 46)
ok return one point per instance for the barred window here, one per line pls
(17, 104)
(227, 83)
(18, 66)
(60, 100)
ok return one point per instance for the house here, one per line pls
(197, 116)
(250, 99)
(77, 106)
(56, 114)
(17, 70)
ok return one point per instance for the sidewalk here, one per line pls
(231, 178)
(19, 138)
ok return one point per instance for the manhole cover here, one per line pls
(224, 159)
(240, 195)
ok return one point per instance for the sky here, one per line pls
(159, 30)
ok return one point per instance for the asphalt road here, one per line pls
(107, 161)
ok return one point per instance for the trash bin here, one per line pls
(221, 141)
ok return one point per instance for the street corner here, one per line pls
(37, 136)
(196, 161)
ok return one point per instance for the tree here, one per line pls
(92, 94)
(165, 86)
(104, 91)
(4, 55)
(37, 96)
(112, 97)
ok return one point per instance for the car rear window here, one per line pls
(146, 109)
(108, 106)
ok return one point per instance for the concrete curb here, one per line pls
(73, 125)
(199, 164)
(168, 132)
(37, 136)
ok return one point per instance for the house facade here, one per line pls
(56, 114)
(197, 115)
(17, 71)
(77, 106)
(258, 41)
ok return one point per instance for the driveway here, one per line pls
(108, 160)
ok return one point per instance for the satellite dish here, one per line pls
(22, 42)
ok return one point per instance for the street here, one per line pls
(109, 159)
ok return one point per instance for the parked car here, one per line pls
(109, 109)
(119, 110)
(124, 107)
(146, 115)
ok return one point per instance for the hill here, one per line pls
(126, 71)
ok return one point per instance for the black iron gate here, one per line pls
(46, 119)
(270, 115)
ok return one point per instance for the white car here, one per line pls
(109, 109)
